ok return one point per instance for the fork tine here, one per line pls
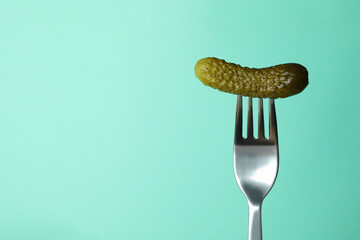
(272, 117)
(250, 119)
(261, 120)
(238, 121)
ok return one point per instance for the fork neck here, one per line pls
(255, 228)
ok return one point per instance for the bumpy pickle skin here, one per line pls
(279, 81)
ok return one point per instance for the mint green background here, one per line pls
(107, 134)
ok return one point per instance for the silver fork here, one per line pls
(256, 161)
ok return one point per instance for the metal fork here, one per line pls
(256, 161)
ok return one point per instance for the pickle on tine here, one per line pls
(278, 81)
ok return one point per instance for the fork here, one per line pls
(256, 161)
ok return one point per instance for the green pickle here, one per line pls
(278, 81)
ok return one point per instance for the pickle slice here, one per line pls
(278, 81)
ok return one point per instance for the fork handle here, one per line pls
(255, 229)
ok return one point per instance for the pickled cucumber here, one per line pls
(278, 81)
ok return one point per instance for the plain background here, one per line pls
(105, 133)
